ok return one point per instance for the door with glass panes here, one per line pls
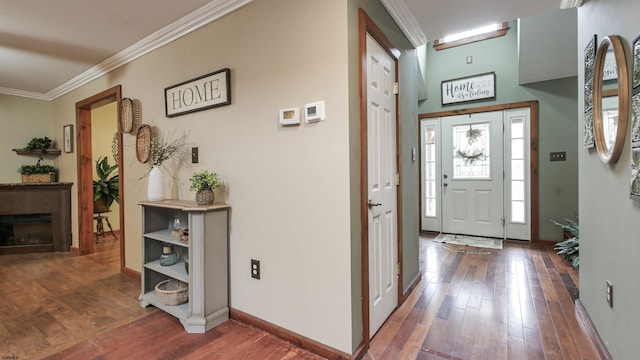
(475, 174)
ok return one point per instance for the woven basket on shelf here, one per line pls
(38, 178)
(172, 292)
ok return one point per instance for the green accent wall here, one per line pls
(609, 219)
(558, 115)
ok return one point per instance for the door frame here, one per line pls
(85, 169)
(533, 151)
(367, 26)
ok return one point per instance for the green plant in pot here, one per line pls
(570, 248)
(30, 172)
(105, 187)
(203, 183)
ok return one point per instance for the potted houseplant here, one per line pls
(203, 183)
(570, 247)
(105, 187)
(38, 172)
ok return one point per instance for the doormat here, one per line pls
(474, 241)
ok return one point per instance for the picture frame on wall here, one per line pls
(589, 139)
(68, 138)
(635, 72)
(469, 88)
(590, 58)
(589, 68)
(635, 119)
(204, 92)
(635, 173)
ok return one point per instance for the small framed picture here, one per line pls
(635, 75)
(68, 138)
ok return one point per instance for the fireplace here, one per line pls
(35, 217)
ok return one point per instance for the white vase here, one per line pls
(155, 186)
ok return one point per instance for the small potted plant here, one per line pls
(38, 172)
(105, 188)
(203, 183)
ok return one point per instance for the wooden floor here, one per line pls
(515, 303)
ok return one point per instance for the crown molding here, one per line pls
(22, 93)
(402, 16)
(193, 21)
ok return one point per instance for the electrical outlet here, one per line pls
(255, 269)
(610, 294)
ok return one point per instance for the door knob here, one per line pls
(371, 204)
(445, 176)
(445, 184)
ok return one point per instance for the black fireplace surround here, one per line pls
(35, 217)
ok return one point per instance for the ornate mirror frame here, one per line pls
(611, 155)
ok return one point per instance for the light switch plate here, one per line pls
(558, 156)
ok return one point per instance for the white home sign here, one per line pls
(470, 88)
(204, 92)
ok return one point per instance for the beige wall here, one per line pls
(22, 119)
(609, 219)
(104, 125)
(288, 187)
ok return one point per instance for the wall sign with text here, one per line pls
(204, 92)
(469, 88)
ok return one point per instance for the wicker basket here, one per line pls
(172, 292)
(39, 178)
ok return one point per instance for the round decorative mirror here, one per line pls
(610, 99)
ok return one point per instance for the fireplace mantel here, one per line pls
(39, 198)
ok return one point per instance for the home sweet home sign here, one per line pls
(471, 88)
(204, 92)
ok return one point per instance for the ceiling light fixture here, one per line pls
(467, 37)
(471, 33)
(568, 4)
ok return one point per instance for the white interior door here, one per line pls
(473, 175)
(382, 167)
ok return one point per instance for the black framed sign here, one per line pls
(470, 88)
(204, 92)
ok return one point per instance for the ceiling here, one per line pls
(48, 48)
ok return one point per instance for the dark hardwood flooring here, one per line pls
(515, 303)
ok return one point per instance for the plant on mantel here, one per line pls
(40, 146)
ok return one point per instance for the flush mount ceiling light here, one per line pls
(477, 34)
(568, 4)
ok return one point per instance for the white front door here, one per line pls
(473, 175)
(382, 167)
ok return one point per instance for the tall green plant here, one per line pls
(570, 248)
(106, 186)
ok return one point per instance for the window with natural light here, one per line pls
(467, 37)
(518, 191)
(430, 171)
